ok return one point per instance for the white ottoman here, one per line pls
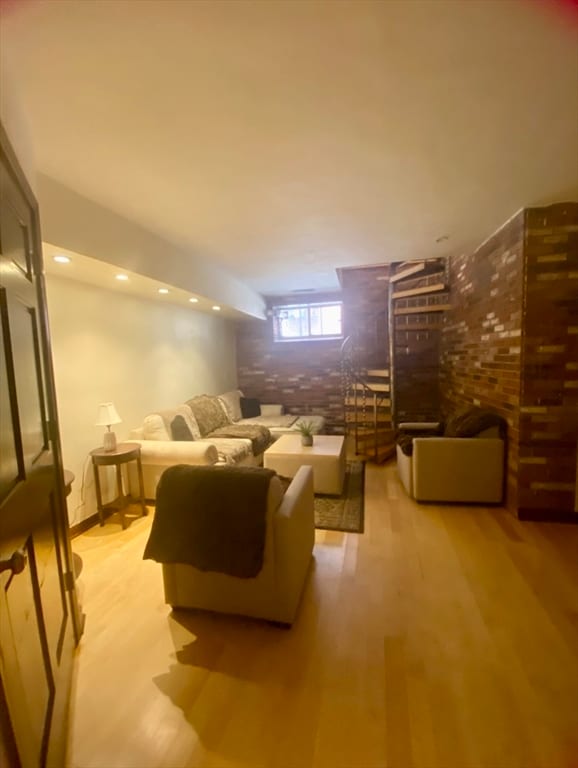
(326, 456)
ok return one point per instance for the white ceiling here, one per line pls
(285, 139)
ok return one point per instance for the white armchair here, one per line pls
(275, 593)
(454, 469)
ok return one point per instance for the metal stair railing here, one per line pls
(359, 393)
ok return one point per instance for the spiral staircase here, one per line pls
(367, 405)
(376, 399)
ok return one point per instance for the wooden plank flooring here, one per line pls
(442, 637)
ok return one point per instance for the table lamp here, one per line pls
(108, 415)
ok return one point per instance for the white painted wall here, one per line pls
(16, 123)
(71, 221)
(141, 355)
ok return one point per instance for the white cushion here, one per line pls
(153, 428)
(231, 402)
(271, 410)
(157, 426)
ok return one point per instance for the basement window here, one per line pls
(299, 322)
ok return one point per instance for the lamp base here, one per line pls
(109, 441)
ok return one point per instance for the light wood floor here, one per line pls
(442, 637)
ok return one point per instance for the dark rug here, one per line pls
(345, 512)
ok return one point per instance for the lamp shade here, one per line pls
(107, 415)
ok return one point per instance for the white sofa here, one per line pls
(275, 593)
(454, 469)
(159, 450)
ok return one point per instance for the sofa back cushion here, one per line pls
(250, 407)
(231, 402)
(208, 412)
(180, 430)
(157, 426)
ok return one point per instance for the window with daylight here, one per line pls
(295, 322)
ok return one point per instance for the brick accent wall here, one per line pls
(481, 337)
(365, 293)
(417, 342)
(417, 361)
(549, 388)
(510, 343)
(305, 376)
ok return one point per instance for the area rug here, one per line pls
(345, 512)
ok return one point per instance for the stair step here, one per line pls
(380, 456)
(373, 385)
(369, 440)
(407, 327)
(382, 417)
(422, 310)
(352, 400)
(382, 372)
(385, 453)
(435, 288)
(384, 429)
(418, 266)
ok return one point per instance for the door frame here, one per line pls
(11, 163)
(61, 666)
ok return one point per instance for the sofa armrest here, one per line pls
(458, 469)
(271, 409)
(166, 453)
(294, 537)
(419, 426)
(157, 455)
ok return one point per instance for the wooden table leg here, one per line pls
(141, 486)
(98, 494)
(121, 498)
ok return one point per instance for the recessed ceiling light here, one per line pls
(163, 290)
(121, 277)
(217, 308)
(193, 301)
(62, 259)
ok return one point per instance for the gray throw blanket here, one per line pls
(471, 421)
(466, 423)
(213, 518)
(260, 437)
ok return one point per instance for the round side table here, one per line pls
(123, 453)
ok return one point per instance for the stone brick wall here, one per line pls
(365, 293)
(549, 388)
(510, 343)
(481, 336)
(305, 376)
(417, 342)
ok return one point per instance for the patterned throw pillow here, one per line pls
(231, 402)
(208, 412)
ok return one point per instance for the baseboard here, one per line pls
(548, 516)
(89, 522)
(83, 525)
